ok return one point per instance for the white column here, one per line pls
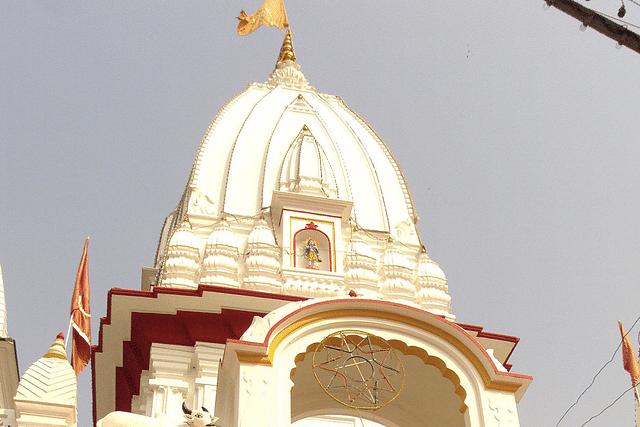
(169, 367)
(206, 360)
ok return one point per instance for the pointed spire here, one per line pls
(286, 51)
(287, 71)
(57, 349)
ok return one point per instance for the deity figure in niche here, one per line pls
(312, 254)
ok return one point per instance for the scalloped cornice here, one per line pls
(287, 73)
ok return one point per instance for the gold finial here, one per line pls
(390, 239)
(424, 250)
(286, 51)
(305, 128)
(57, 350)
(300, 97)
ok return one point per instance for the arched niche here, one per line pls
(431, 395)
(312, 249)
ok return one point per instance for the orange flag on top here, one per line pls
(81, 317)
(270, 14)
(629, 358)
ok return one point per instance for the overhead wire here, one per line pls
(596, 376)
(608, 406)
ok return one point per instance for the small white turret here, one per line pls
(263, 260)
(220, 265)
(360, 264)
(396, 274)
(306, 168)
(47, 392)
(183, 258)
(431, 287)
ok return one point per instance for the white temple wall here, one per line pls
(268, 389)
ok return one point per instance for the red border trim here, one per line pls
(491, 335)
(218, 327)
(308, 213)
(414, 309)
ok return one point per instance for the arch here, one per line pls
(449, 372)
(287, 320)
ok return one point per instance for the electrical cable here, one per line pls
(598, 373)
(608, 406)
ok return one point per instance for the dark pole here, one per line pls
(600, 23)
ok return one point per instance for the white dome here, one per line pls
(246, 154)
(312, 167)
(51, 379)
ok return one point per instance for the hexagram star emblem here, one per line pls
(359, 369)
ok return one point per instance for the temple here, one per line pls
(291, 286)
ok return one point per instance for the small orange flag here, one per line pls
(81, 316)
(629, 358)
(270, 14)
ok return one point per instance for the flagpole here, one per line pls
(635, 389)
(66, 340)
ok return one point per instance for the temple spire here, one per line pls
(287, 71)
(286, 51)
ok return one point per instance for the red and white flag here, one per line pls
(81, 316)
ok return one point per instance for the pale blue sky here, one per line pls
(518, 135)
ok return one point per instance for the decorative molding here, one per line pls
(300, 105)
(287, 73)
(256, 406)
(503, 415)
(469, 348)
(200, 203)
(315, 284)
(404, 230)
